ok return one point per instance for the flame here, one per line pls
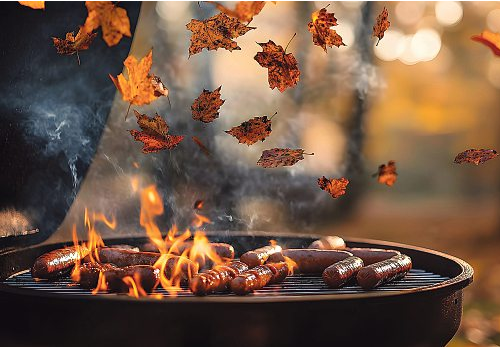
(101, 284)
(94, 240)
(292, 265)
(75, 274)
(134, 286)
(134, 182)
(199, 220)
(102, 218)
(151, 207)
(201, 251)
(273, 242)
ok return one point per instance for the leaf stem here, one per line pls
(308, 153)
(128, 110)
(275, 113)
(78, 57)
(290, 41)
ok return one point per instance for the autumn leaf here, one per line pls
(112, 19)
(206, 107)
(244, 10)
(490, 39)
(154, 134)
(387, 173)
(200, 144)
(320, 28)
(382, 25)
(215, 32)
(334, 186)
(281, 157)
(73, 44)
(475, 156)
(36, 5)
(283, 71)
(253, 130)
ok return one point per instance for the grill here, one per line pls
(423, 309)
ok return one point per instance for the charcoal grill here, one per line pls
(423, 309)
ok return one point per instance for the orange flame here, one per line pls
(94, 240)
(292, 265)
(134, 182)
(134, 286)
(151, 207)
(101, 284)
(201, 251)
(75, 274)
(199, 220)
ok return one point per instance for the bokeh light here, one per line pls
(493, 20)
(425, 44)
(409, 13)
(448, 12)
(391, 47)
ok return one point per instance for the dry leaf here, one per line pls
(73, 44)
(36, 5)
(206, 107)
(244, 10)
(475, 156)
(253, 130)
(154, 134)
(489, 39)
(335, 186)
(215, 32)
(387, 173)
(320, 28)
(283, 70)
(281, 157)
(382, 25)
(200, 144)
(112, 19)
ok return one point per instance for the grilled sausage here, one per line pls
(311, 260)
(338, 274)
(123, 246)
(279, 270)
(57, 262)
(89, 274)
(374, 275)
(217, 279)
(223, 250)
(145, 276)
(259, 255)
(328, 242)
(251, 280)
(373, 255)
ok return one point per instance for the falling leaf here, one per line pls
(253, 130)
(382, 25)
(112, 19)
(154, 134)
(475, 156)
(244, 10)
(387, 173)
(215, 32)
(159, 88)
(200, 144)
(36, 5)
(281, 157)
(335, 186)
(73, 44)
(320, 28)
(489, 39)
(206, 107)
(283, 70)
(198, 204)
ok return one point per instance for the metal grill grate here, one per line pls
(293, 285)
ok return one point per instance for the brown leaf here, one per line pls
(283, 69)
(335, 186)
(206, 107)
(74, 44)
(281, 157)
(253, 130)
(154, 134)
(320, 28)
(36, 5)
(475, 156)
(490, 39)
(244, 10)
(159, 88)
(382, 25)
(200, 144)
(112, 19)
(387, 173)
(215, 32)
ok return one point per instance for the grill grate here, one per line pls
(292, 286)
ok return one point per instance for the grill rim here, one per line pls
(463, 278)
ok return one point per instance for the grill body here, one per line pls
(423, 310)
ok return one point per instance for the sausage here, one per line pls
(123, 246)
(217, 279)
(311, 260)
(251, 280)
(145, 276)
(374, 275)
(279, 270)
(338, 274)
(57, 262)
(180, 268)
(89, 274)
(328, 242)
(259, 255)
(223, 250)
(373, 255)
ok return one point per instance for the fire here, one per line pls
(102, 218)
(134, 286)
(201, 252)
(94, 240)
(199, 220)
(151, 207)
(292, 265)
(134, 182)
(101, 284)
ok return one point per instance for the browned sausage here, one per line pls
(57, 262)
(336, 275)
(251, 280)
(328, 242)
(280, 271)
(311, 260)
(89, 274)
(145, 276)
(374, 275)
(259, 255)
(223, 250)
(216, 279)
(373, 255)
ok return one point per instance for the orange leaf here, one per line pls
(36, 5)
(387, 173)
(320, 28)
(475, 156)
(280, 157)
(200, 144)
(335, 186)
(489, 39)
(253, 130)
(206, 107)
(382, 25)
(112, 19)
(244, 11)
(73, 44)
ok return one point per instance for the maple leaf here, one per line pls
(253, 130)
(73, 44)
(112, 19)
(215, 32)
(206, 107)
(36, 5)
(320, 28)
(200, 144)
(382, 25)
(283, 71)
(490, 39)
(387, 173)
(475, 156)
(281, 157)
(244, 10)
(154, 134)
(334, 186)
